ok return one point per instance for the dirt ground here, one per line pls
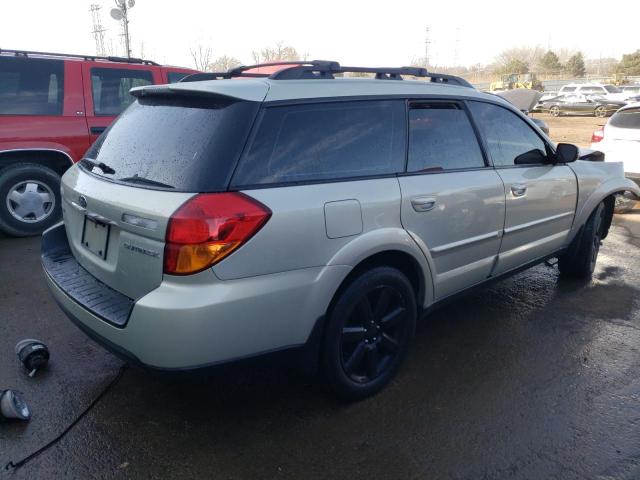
(571, 129)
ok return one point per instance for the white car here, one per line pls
(610, 92)
(619, 139)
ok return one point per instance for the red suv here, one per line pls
(52, 108)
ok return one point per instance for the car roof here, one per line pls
(269, 90)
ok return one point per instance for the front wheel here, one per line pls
(580, 260)
(29, 199)
(600, 112)
(369, 329)
(554, 111)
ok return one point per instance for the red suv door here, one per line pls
(106, 88)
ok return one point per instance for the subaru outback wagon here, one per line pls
(222, 219)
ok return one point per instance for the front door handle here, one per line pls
(518, 190)
(423, 204)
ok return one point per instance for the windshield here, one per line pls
(612, 89)
(183, 143)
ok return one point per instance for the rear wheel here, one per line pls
(600, 112)
(580, 260)
(368, 332)
(554, 111)
(29, 199)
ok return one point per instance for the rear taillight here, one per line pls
(597, 135)
(208, 228)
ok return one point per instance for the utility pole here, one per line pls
(427, 41)
(98, 30)
(456, 51)
(121, 14)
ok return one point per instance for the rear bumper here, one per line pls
(198, 321)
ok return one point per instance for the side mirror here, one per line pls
(566, 153)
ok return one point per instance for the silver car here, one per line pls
(222, 219)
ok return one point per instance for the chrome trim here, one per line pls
(466, 241)
(71, 162)
(524, 226)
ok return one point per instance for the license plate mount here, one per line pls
(95, 237)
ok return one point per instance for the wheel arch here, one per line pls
(56, 160)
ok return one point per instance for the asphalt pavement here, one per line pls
(534, 377)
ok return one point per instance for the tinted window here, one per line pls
(110, 88)
(507, 135)
(190, 144)
(440, 138)
(175, 77)
(31, 86)
(325, 141)
(568, 89)
(612, 89)
(629, 118)
(588, 90)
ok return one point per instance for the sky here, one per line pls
(367, 33)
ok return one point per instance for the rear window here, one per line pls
(31, 86)
(110, 88)
(184, 143)
(316, 142)
(629, 118)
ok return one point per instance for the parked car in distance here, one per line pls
(630, 91)
(580, 105)
(610, 92)
(619, 140)
(52, 107)
(219, 220)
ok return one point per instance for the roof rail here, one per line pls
(326, 69)
(27, 53)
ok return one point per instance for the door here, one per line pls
(540, 197)
(106, 88)
(453, 204)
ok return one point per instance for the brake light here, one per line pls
(598, 135)
(208, 228)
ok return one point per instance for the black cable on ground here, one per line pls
(16, 465)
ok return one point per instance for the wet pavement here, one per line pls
(534, 377)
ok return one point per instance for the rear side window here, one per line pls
(568, 89)
(508, 136)
(110, 88)
(593, 90)
(187, 144)
(629, 118)
(441, 138)
(175, 77)
(315, 142)
(31, 86)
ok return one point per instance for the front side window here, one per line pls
(510, 140)
(316, 142)
(31, 86)
(110, 88)
(441, 138)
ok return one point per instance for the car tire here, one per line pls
(600, 112)
(554, 111)
(369, 329)
(580, 260)
(29, 199)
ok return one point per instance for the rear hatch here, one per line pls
(622, 137)
(164, 149)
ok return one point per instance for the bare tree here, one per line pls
(201, 57)
(519, 58)
(224, 63)
(280, 52)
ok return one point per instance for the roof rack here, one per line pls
(326, 69)
(27, 53)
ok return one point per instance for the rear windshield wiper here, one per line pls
(106, 169)
(144, 181)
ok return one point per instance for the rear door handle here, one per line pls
(98, 130)
(518, 190)
(423, 204)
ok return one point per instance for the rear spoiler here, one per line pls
(253, 92)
